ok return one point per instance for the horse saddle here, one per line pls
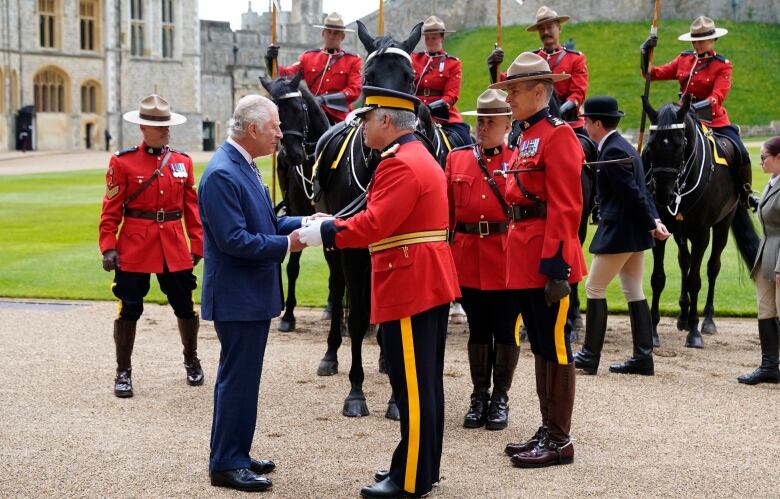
(724, 151)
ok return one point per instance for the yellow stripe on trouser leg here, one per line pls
(119, 303)
(413, 394)
(518, 327)
(560, 323)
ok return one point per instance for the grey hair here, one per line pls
(547, 85)
(250, 109)
(401, 119)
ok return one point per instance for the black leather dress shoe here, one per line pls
(385, 489)
(241, 479)
(380, 475)
(262, 467)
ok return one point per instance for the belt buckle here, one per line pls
(426, 92)
(484, 228)
(160, 216)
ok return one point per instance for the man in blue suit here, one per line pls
(244, 246)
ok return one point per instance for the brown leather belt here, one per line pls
(427, 92)
(524, 212)
(483, 228)
(159, 216)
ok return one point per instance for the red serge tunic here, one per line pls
(707, 77)
(546, 247)
(480, 261)
(344, 73)
(407, 194)
(438, 77)
(144, 245)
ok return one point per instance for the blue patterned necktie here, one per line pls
(257, 173)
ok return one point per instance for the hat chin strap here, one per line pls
(390, 50)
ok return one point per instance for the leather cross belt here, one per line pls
(538, 210)
(159, 216)
(483, 228)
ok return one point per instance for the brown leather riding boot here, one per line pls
(480, 364)
(503, 373)
(188, 330)
(540, 366)
(557, 448)
(124, 338)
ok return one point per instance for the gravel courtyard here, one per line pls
(691, 430)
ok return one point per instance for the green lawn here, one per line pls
(48, 247)
(612, 51)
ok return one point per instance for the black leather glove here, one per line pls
(496, 57)
(650, 43)
(555, 290)
(195, 259)
(569, 108)
(271, 53)
(110, 260)
(320, 99)
(440, 109)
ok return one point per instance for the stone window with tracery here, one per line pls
(167, 29)
(90, 97)
(88, 24)
(49, 89)
(47, 23)
(137, 27)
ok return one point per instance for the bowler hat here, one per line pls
(603, 106)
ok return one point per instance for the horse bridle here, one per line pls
(304, 111)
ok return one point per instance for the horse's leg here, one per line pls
(684, 262)
(657, 282)
(329, 364)
(357, 269)
(720, 236)
(287, 322)
(699, 243)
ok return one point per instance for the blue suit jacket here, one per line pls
(626, 209)
(244, 242)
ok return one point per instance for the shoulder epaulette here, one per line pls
(178, 151)
(572, 51)
(126, 150)
(721, 58)
(390, 152)
(687, 52)
(555, 121)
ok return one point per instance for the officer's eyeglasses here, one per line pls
(765, 157)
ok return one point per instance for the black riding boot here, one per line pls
(744, 178)
(188, 330)
(588, 358)
(480, 363)
(768, 371)
(124, 338)
(503, 372)
(642, 335)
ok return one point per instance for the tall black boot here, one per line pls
(768, 371)
(588, 358)
(124, 338)
(744, 178)
(642, 335)
(503, 373)
(188, 330)
(480, 363)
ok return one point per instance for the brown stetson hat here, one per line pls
(546, 15)
(702, 28)
(153, 110)
(528, 66)
(491, 102)
(434, 25)
(335, 22)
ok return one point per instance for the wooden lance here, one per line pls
(274, 74)
(653, 32)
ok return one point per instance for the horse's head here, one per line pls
(666, 148)
(388, 64)
(293, 114)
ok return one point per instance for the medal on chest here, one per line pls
(178, 170)
(529, 148)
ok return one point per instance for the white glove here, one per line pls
(306, 221)
(310, 234)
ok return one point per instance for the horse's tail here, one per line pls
(745, 235)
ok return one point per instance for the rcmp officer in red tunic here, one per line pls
(438, 77)
(543, 251)
(149, 191)
(478, 219)
(571, 91)
(413, 281)
(332, 74)
(706, 77)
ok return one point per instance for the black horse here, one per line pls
(303, 123)
(694, 196)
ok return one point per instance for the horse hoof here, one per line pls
(328, 367)
(326, 315)
(392, 412)
(355, 407)
(709, 328)
(694, 340)
(682, 324)
(286, 326)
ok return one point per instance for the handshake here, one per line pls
(309, 233)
